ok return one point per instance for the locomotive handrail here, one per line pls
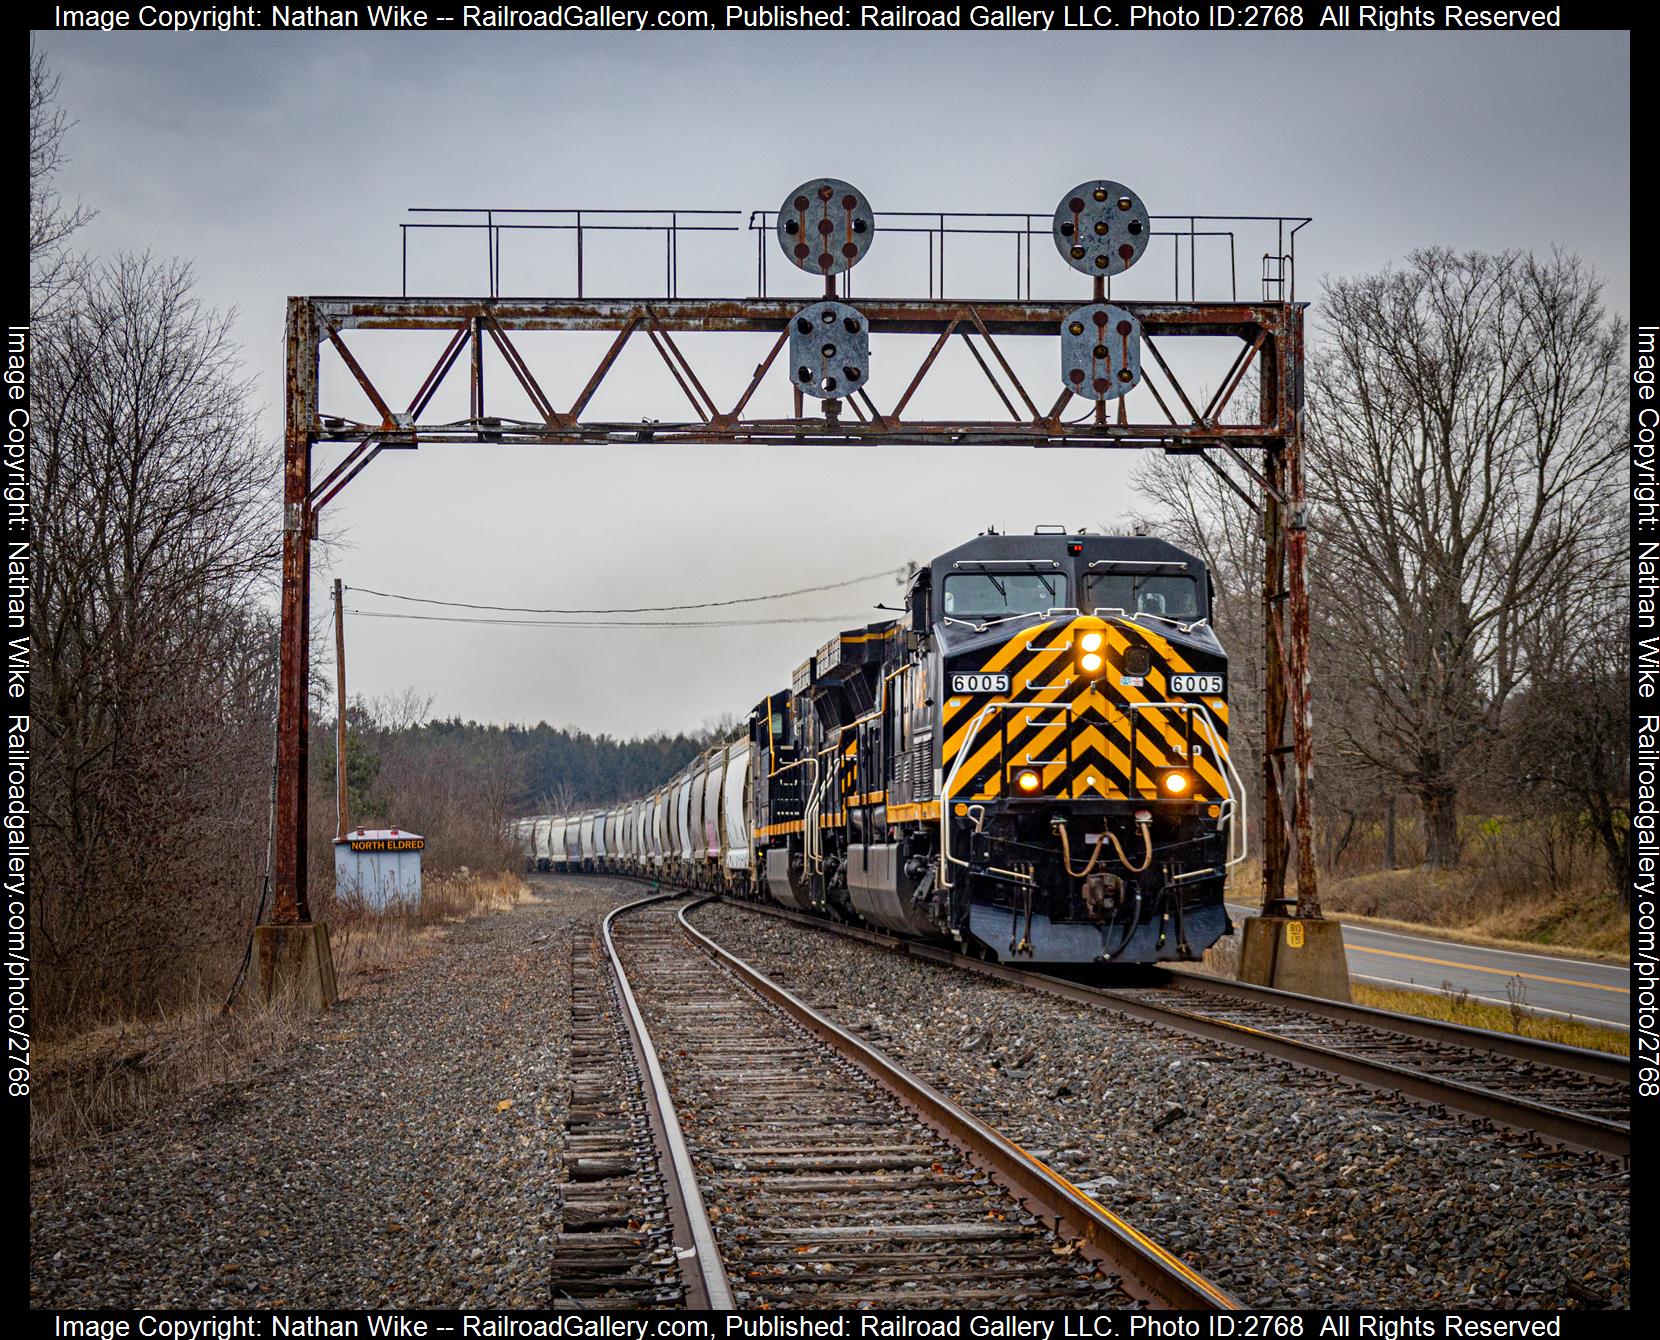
(1235, 799)
(1236, 792)
(1165, 618)
(980, 626)
(812, 840)
(946, 858)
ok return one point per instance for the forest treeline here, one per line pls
(559, 769)
(455, 781)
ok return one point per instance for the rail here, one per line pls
(1150, 1270)
(1535, 1051)
(706, 1281)
(1576, 1129)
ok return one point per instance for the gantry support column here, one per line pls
(1290, 945)
(1297, 642)
(293, 951)
(1276, 822)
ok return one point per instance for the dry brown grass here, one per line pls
(1505, 895)
(370, 946)
(1222, 958)
(1469, 905)
(93, 1081)
(1479, 936)
(1457, 1008)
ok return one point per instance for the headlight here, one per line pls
(1092, 641)
(1176, 783)
(1027, 780)
(1091, 662)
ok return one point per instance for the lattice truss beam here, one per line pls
(1267, 339)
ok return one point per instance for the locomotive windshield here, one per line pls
(1164, 594)
(1001, 595)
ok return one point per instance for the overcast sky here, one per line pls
(283, 163)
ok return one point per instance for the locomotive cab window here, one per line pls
(1000, 595)
(1159, 593)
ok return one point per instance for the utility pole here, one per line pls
(340, 805)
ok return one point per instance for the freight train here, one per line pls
(1032, 763)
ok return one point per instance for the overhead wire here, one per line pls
(608, 623)
(899, 573)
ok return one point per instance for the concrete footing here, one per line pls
(296, 959)
(1289, 954)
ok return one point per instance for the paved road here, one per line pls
(1595, 992)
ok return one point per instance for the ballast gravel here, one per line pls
(405, 1152)
(1286, 1189)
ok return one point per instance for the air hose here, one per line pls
(1146, 827)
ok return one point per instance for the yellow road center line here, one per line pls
(1497, 972)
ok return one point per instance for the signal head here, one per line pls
(1101, 228)
(825, 226)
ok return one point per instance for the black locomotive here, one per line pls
(1033, 764)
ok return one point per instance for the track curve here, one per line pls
(1578, 1098)
(812, 1171)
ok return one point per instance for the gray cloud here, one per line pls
(282, 164)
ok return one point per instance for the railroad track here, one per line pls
(1545, 1098)
(614, 1247)
(1569, 1095)
(803, 1169)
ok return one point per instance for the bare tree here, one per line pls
(1464, 442)
(399, 712)
(1567, 733)
(560, 798)
(1193, 507)
(52, 221)
(154, 684)
(496, 774)
(1464, 436)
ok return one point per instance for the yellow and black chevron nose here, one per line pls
(1108, 731)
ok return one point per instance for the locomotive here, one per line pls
(1032, 763)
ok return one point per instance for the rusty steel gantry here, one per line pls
(1269, 337)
